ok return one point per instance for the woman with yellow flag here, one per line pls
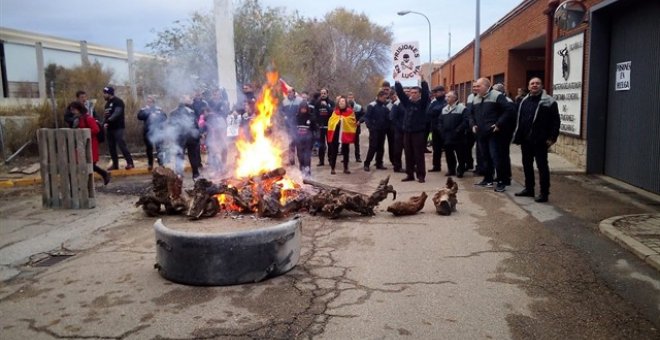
(341, 129)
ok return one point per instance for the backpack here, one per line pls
(100, 137)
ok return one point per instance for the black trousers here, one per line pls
(538, 152)
(304, 152)
(455, 156)
(506, 155)
(414, 145)
(150, 151)
(191, 146)
(376, 147)
(395, 143)
(470, 141)
(100, 171)
(333, 151)
(323, 142)
(436, 144)
(357, 143)
(394, 150)
(116, 138)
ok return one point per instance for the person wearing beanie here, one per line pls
(113, 121)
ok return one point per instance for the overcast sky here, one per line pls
(110, 23)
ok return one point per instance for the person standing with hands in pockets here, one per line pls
(538, 129)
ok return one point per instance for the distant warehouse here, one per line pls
(24, 56)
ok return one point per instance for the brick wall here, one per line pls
(499, 54)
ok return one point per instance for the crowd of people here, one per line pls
(408, 120)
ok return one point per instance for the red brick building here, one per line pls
(614, 35)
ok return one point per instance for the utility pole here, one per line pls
(477, 47)
(449, 49)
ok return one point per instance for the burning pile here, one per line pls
(259, 184)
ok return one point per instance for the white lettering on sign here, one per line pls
(622, 82)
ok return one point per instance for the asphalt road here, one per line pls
(500, 267)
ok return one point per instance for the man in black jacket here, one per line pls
(434, 111)
(452, 125)
(322, 111)
(378, 123)
(395, 142)
(414, 129)
(184, 122)
(114, 124)
(154, 119)
(538, 129)
(492, 120)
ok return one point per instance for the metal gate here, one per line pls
(632, 150)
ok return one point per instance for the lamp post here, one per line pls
(429, 22)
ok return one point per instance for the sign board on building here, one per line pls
(622, 76)
(407, 65)
(567, 75)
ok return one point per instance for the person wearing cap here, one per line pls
(115, 125)
(433, 114)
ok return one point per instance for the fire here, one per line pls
(287, 188)
(259, 181)
(259, 153)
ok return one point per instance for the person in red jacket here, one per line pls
(86, 121)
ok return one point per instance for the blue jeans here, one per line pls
(494, 148)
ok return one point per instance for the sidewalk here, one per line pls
(637, 233)
(22, 180)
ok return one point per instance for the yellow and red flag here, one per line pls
(346, 123)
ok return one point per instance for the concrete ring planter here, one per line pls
(210, 259)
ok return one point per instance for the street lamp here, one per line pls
(429, 22)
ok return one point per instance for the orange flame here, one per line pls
(287, 186)
(259, 153)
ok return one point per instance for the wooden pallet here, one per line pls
(66, 168)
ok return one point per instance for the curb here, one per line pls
(36, 180)
(645, 253)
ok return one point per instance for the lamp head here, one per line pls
(403, 12)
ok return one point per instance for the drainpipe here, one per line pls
(549, 39)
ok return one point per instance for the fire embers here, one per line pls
(267, 195)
